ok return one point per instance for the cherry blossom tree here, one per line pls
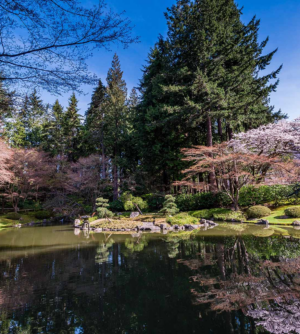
(272, 140)
(30, 171)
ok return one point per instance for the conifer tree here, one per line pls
(94, 125)
(102, 208)
(205, 76)
(35, 119)
(71, 128)
(53, 132)
(169, 206)
(115, 119)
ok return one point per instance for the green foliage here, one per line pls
(42, 214)
(182, 219)
(169, 206)
(292, 212)
(72, 129)
(131, 202)
(219, 214)
(155, 202)
(13, 216)
(102, 205)
(190, 202)
(258, 211)
(116, 206)
(275, 194)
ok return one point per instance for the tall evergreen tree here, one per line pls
(71, 129)
(94, 126)
(115, 119)
(53, 132)
(208, 76)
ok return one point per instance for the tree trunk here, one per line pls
(115, 181)
(209, 143)
(103, 158)
(220, 130)
(229, 132)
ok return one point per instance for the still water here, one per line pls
(230, 279)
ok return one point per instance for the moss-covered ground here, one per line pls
(27, 217)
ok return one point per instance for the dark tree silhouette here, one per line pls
(46, 42)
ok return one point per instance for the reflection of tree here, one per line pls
(135, 244)
(102, 251)
(240, 276)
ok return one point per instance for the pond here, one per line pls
(229, 279)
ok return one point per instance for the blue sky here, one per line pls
(280, 20)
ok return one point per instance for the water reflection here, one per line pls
(231, 279)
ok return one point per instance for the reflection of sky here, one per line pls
(279, 21)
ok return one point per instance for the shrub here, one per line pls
(170, 208)
(155, 202)
(219, 214)
(275, 194)
(182, 219)
(13, 216)
(42, 214)
(292, 212)
(258, 211)
(116, 206)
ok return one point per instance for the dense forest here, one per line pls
(204, 82)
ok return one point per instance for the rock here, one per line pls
(203, 221)
(164, 226)
(134, 214)
(17, 225)
(77, 222)
(211, 223)
(296, 223)
(191, 227)
(98, 230)
(146, 226)
(262, 222)
(127, 229)
(176, 227)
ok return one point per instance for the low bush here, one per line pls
(192, 202)
(182, 219)
(155, 202)
(258, 211)
(42, 215)
(219, 214)
(292, 212)
(116, 206)
(275, 194)
(13, 216)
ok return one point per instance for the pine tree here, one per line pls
(158, 137)
(35, 119)
(102, 205)
(71, 129)
(205, 76)
(94, 126)
(115, 119)
(169, 206)
(53, 132)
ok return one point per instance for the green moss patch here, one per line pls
(219, 214)
(182, 218)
